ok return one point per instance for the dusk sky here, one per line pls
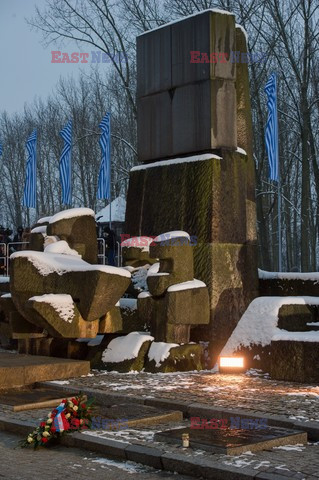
(26, 68)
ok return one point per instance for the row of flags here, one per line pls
(104, 182)
(65, 165)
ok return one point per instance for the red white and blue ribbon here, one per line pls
(60, 422)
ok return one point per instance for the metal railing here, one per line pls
(3, 259)
(7, 249)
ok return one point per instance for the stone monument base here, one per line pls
(212, 198)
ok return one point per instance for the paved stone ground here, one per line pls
(252, 391)
(295, 461)
(68, 463)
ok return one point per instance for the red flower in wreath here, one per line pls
(42, 424)
(44, 440)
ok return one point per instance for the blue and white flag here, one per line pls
(65, 164)
(271, 133)
(104, 186)
(30, 186)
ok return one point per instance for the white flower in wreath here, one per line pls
(75, 408)
(68, 415)
(30, 439)
(49, 421)
(45, 434)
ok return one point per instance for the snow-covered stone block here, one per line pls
(127, 353)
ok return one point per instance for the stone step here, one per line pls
(17, 370)
(298, 318)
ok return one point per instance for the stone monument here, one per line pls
(195, 148)
(175, 301)
(58, 291)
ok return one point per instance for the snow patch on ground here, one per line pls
(258, 325)
(160, 351)
(128, 467)
(125, 348)
(4, 279)
(6, 295)
(298, 447)
(62, 303)
(72, 213)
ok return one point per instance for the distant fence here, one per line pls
(6, 249)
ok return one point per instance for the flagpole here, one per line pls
(110, 180)
(279, 189)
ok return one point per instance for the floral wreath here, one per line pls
(71, 415)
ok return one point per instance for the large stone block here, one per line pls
(206, 198)
(284, 287)
(187, 307)
(112, 321)
(164, 54)
(47, 316)
(94, 291)
(207, 33)
(36, 242)
(203, 117)
(193, 118)
(154, 59)
(80, 234)
(171, 316)
(295, 361)
(127, 365)
(295, 318)
(245, 133)
(176, 265)
(182, 358)
(135, 252)
(154, 126)
(230, 273)
(183, 105)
